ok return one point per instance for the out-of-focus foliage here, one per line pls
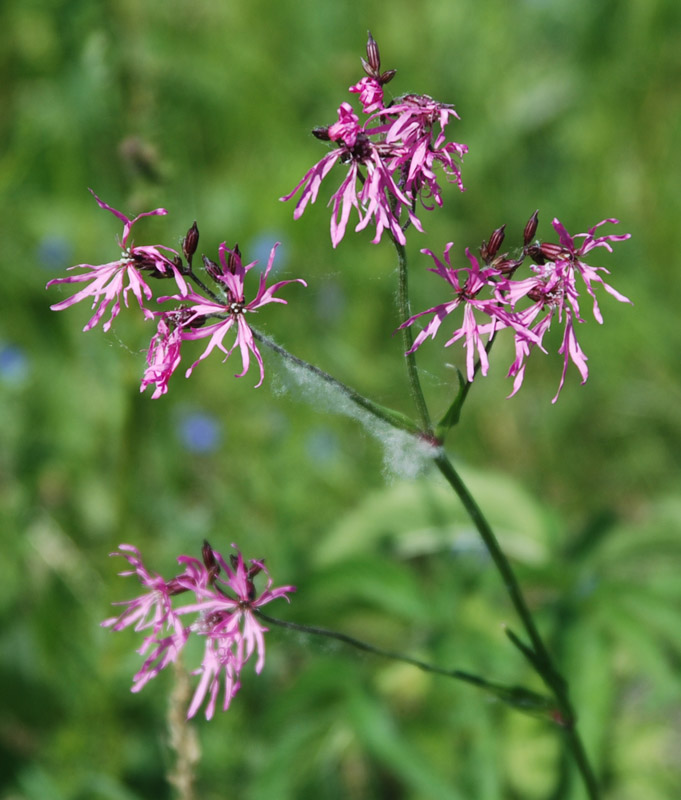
(205, 108)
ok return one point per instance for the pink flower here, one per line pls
(233, 633)
(370, 94)
(378, 198)
(554, 289)
(108, 281)
(225, 602)
(163, 357)
(152, 610)
(590, 274)
(231, 312)
(418, 146)
(467, 283)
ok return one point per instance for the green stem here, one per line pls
(537, 652)
(518, 696)
(408, 339)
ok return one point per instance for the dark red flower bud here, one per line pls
(175, 587)
(534, 252)
(495, 241)
(322, 133)
(372, 66)
(552, 252)
(212, 268)
(209, 560)
(531, 228)
(190, 242)
(546, 251)
(506, 266)
(255, 568)
(234, 259)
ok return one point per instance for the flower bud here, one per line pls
(494, 244)
(506, 266)
(212, 268)
(234, 259)
(190, 242)
(209, 560)
(552, 252)
(372, 66)
(531, 228)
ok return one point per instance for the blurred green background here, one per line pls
(205, 108)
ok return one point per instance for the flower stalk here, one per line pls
(404, 308)
(519, 697)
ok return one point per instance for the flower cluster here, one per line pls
(223, 615)
(390, 155)
(210, 315)
(491, 298)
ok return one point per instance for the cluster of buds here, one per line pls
(222, 613)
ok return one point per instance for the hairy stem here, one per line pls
(408, 338)
(394, 418)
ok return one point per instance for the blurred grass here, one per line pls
(205, 108)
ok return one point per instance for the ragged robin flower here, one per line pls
(391, 157)
(224, 602)
(108, 282)
(525, 305)
(230, 311)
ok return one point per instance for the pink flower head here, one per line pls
(225, 600)
(418, 145)
(467, 283)
(370, 94)
(553, 289)
(231, 311)
(163, 357)
(233, 632)
(152, 610)
(108, 282)
(590, 274)
(377, 199)
(391, 156)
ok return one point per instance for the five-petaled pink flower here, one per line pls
(225, 601)
(553, 289)
(467, 284)
(163, 356)
(230, 311)
(233, 633)
(107, 282)
(378, 198)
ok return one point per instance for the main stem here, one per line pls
(408, 339)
